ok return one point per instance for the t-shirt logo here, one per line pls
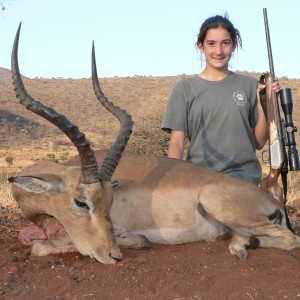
(239, 97)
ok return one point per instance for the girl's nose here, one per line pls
(219, 49)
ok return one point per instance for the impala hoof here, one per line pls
(144, 242)
(241, 254)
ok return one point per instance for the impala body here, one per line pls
(155, 199)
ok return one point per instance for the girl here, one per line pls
(219, 111)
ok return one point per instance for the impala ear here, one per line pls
(38, 183)
(114, 183)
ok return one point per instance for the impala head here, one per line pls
(79, 198)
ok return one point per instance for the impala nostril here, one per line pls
(117, 259)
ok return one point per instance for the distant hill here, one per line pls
(13, 124)
(5, 73)
(143, 97)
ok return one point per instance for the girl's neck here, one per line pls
(214, 74)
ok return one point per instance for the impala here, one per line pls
(133, 199)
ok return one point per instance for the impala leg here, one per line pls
(44, 248)
(278, 237)
(239, 245)
(138, 241)
(264, 235)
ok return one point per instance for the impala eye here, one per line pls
(81, 204)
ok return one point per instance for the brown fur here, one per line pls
(162, 200)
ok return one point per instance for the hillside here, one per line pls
(143, 97)
(5, 73)
(27, 137)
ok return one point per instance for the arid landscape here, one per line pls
(188, 271)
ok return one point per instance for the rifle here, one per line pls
(281, 133)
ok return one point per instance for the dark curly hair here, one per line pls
(219, 21)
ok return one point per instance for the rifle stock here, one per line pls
(275, 140)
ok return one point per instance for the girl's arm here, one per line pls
(176, 145)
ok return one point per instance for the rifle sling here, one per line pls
(284, 173)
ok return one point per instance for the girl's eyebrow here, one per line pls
(212, 41)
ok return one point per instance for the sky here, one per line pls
(144, 38)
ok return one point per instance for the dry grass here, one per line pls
(6, 198)
(26, 138)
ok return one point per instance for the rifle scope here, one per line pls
(287, 108)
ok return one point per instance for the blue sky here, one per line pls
(138, 37)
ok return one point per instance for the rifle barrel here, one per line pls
(269, 43)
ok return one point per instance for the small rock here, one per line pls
(75, 277)
(15, 258)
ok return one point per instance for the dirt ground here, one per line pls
(188, 271)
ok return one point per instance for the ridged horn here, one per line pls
(114, 154)
(89, 166)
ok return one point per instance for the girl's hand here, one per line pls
(275, 85)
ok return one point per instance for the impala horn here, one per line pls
(89, 166)
(111, 160)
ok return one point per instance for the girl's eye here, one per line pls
(81, 204)
(227, 43)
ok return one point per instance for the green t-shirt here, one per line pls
(218, 118)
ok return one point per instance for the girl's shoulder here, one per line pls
(187, 81)
(244, 77)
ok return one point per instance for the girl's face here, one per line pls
(218, 48)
